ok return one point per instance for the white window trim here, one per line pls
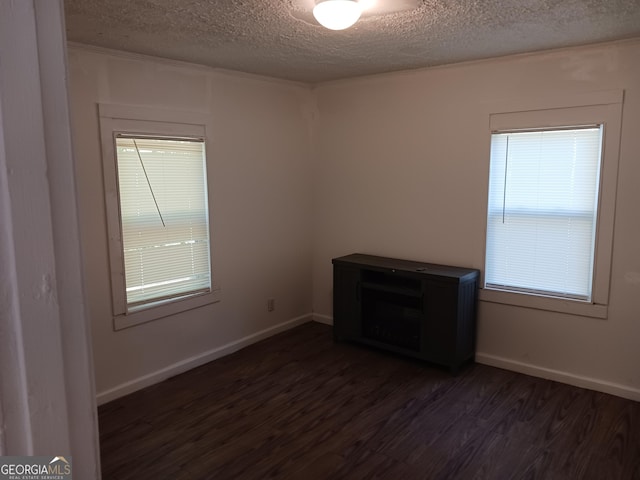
(146, 121)
(582, 109)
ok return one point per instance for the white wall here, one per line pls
(398, 167)
(401, 171)
(261, 216)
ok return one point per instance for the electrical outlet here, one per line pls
(271, 304)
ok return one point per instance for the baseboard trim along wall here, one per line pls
(197, 360)
(483, 358)
(326, 319)
(559, 376)
(541, 372)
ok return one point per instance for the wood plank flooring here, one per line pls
(298, 406)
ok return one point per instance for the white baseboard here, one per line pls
(559, 376)
(589, 383)
(484, 358)
(197, 360)
(326, 319)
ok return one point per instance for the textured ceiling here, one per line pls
(280, 38)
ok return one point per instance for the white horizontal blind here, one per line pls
(164, 215)
(543, 197)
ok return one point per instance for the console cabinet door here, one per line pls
(441, 301)
(347, 323)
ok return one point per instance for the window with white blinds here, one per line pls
(162, 190)
(542, 211)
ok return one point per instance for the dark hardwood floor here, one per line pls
(298, 406)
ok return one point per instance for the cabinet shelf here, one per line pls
(422, 310)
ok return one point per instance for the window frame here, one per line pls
(600, 108)
(147, 121)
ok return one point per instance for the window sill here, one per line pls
(572, 307)
(165, 309)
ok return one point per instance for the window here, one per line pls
(542, 210)
(551, 204)
(156, 176)
(164, 218)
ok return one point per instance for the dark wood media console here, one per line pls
(418, 309)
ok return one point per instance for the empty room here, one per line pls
(321, 238)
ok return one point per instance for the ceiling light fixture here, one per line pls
(337, 14)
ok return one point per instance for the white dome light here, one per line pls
(337, 14)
